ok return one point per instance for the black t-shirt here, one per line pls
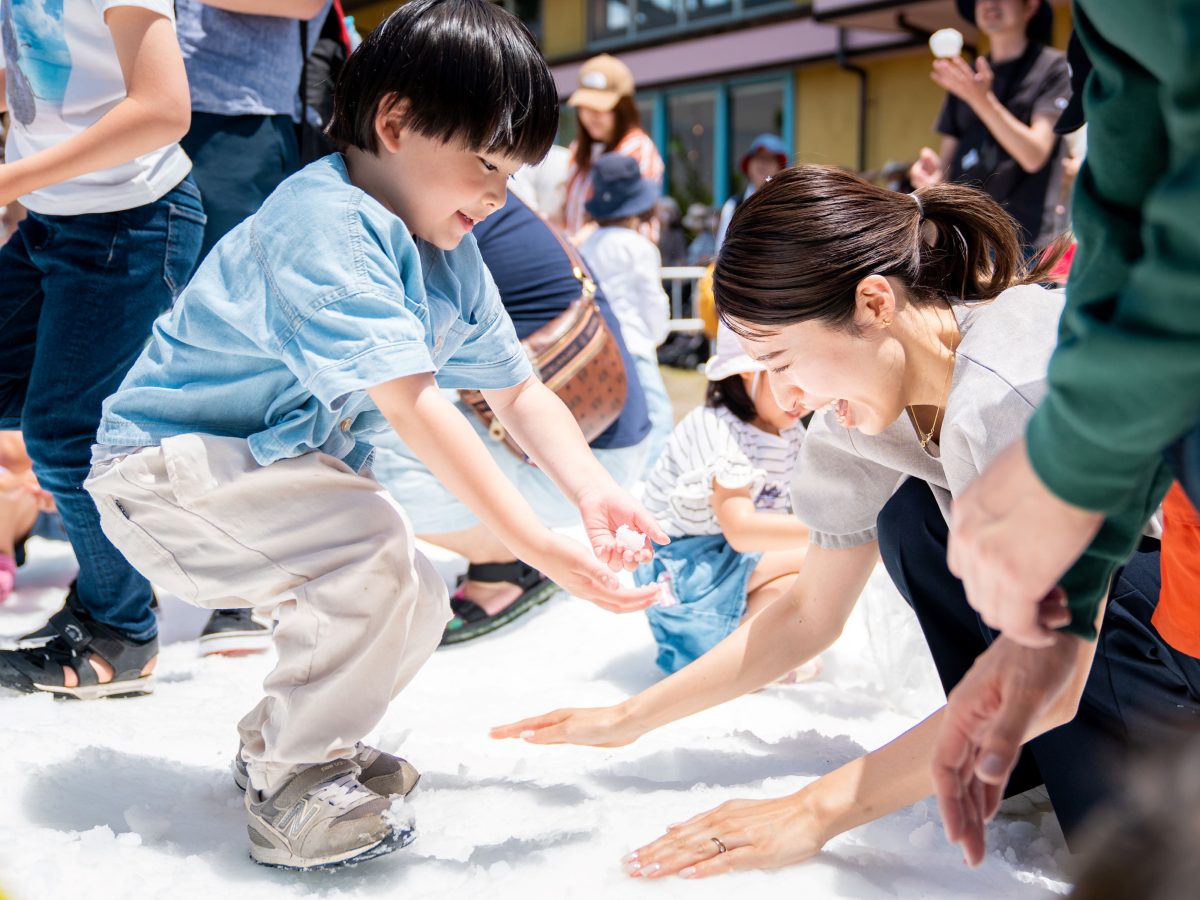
(536, 284)
(1035, 84)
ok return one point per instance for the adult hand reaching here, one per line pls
(1010, 694)
(1011, 540)
(739, 834)
(606, 726)
(971, 86)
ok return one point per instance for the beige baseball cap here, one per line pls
(603, 81)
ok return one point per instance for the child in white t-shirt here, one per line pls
(97, 97)
(720, 490)
(628, 266)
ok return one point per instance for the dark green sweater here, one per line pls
(1124, 382)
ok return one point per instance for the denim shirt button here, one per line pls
(345, 425)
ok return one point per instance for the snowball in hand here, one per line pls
(629, 539)
(946, 43)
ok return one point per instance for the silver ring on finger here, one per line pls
(721, 848)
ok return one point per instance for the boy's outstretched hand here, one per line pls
(569, 565)
(604, 510)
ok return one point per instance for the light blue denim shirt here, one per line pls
(318, 296)
(240, 64)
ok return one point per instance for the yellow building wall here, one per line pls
(902, 104)
(826, 116)
(367, 17)
(564, 27)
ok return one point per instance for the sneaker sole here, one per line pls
(515, 611)
(136, 687)
(281, 859)
(235, 643)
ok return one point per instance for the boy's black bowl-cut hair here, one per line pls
(469, 70)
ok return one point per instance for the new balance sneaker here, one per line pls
(320, 818)
(380, 772)
(236, 632)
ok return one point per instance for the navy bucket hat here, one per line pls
(618, 188)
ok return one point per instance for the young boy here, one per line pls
(231, 466)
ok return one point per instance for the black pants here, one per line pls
(1140, 693)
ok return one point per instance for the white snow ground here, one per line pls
(133, 799)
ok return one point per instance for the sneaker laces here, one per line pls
(343, 793)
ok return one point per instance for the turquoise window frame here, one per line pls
(632, 33)
(723, 152)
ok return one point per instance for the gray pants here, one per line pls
(359, 610)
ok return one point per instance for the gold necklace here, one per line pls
(926, 438)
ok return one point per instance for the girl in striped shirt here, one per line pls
(720, 490)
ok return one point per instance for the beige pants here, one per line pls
(360, 611)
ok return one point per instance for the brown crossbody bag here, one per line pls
(577, 356)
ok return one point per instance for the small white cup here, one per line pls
(946, 43)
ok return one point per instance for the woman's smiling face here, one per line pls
(859, 374)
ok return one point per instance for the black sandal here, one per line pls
(470, 621)
(80, 639)
(71, 611)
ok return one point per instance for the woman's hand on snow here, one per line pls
(756, 834)
(605, 509)
(606, 726)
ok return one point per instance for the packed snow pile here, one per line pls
(134, 799)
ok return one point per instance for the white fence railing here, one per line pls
(680, 283)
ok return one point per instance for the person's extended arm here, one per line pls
(750, 531)
(285, 9)
(447, 444)
(1124, 381)
(545, 429)
(786, 633)
(771, 833)
(1030, 145)
(156, 110)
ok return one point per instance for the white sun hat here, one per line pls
(730, 358)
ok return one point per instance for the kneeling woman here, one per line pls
(910, 321)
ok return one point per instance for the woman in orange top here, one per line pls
(607, 121)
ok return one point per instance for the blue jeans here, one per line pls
(78, 295)
(708, 579)
(658, 405)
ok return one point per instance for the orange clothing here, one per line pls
(1177, 617)
(636, 144)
